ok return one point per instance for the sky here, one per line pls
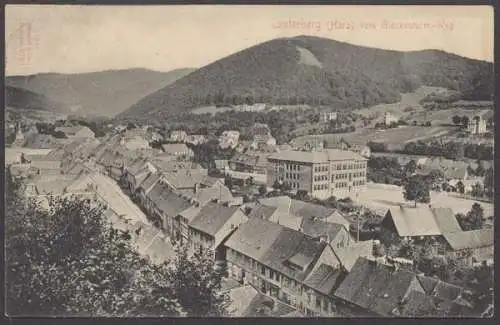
(75, 39)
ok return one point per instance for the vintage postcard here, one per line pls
(249, 161)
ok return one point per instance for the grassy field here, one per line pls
(390, 136)
(408, 100)
(381, 197)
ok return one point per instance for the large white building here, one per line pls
(322, 174)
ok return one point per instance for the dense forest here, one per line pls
(342, 75)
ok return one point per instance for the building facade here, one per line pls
(323, 174)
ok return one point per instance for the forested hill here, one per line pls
(102, 93)
(316, 71)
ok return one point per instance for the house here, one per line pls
(273, 258)
(295, 214)
(145, 187)
(203, 194)
(178, 136)
(418, 222)
(189, 178)
(211, 226)
(288, 265)
(353, 145)
(178, 149)
(250, 163)
(469, 247)
(247, 301)
(390, 118)
(136, 173)
(326, 117)
(322, 174)
(229, 139)
(163, 206)
(135, 142)
(477, 125)
(78, 131)
(376, 289)
(196, 139)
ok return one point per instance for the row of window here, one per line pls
(291, 176)
(341, 184)
(320, 178)
(358, 183)
(320, 169)
(359, 165)
(320, 187)
(292, 167)
(346, 176)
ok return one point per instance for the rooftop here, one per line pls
(212, 217)
(470, 239)
(423, 221)
(316, 156)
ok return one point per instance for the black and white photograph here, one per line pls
(242, 161)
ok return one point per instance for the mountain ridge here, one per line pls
(99, 93)
(350, 76)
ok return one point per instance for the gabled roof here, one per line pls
(316, 156)
(294, 213)
(325, 279)
(423, 221)
(174, 148)
(148, 183)
(348, 255)
(470, 239)
(375, 286)
(317, 228)
(207, 194)
(291, 252)
(167, 201)
(212, 217)
(261, 211)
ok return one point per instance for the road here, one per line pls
(113, 195)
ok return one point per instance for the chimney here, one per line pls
(324, 238)
(196, 187)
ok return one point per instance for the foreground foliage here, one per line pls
(66, 260)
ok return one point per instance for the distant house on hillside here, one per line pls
(229, 139)
(358, 147)
(178, 136)
(390, 118)
(78, 131)
(178, 149)
(477, 125)
(326, 117)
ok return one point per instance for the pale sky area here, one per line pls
(72, 39)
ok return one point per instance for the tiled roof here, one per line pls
(212, 217)
(348, 255)
(317, 228)
(207, 194)
(292, 247)
(316, 156)
(261, 211)
(375, 287)
(423, 221)
(188, 178)
(174, 148)
(151, 180)
(167, 201)
(325, 279)
(470, 239)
